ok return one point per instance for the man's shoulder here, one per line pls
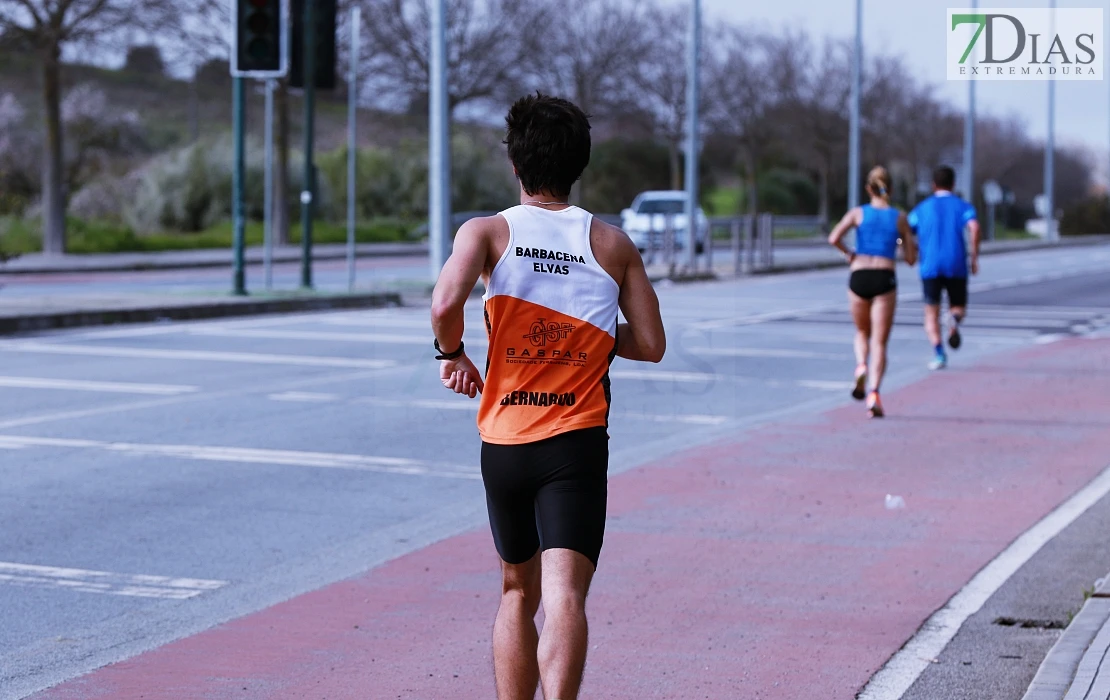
(609, 238)
(484, 225)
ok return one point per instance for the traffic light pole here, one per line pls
(693, 39)
(239, 111)
(309, 192)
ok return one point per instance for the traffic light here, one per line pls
(261, 39)
(325, 12)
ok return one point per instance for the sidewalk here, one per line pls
(1078, 666)
(789, 255)
(765, 565)
(21, 312)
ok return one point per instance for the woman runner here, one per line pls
(873, 285)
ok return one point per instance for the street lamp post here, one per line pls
(692, 49)
(854, 127)
(439, 152)
(1051, 233)
(969, 132)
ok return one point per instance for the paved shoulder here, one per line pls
(765, 566)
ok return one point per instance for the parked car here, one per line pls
(646, 220)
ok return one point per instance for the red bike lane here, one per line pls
(762, 567)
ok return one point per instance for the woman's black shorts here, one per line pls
(549, 494)
(868, 284)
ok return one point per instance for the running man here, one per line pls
(555, 277)
(873, 284)
(940, 222)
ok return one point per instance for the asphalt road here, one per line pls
(160, 479)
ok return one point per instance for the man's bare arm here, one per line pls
(642, 338)
(456, 281)
(976, 236)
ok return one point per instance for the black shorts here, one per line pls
(549, 494)
(956, 287)
(868, 284)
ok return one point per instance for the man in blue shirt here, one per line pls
(940, 222)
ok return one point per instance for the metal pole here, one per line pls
(309, 192)
(352, 145)
(1050, 152)
(268, 191)
(854, 127)
(439, 152)
(239, 111)
(969, 131)
(692, 48)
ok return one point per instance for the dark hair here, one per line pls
(549, 143)
(944, 178)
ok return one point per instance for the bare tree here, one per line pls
(661, 79)
(747, 101)
(489, 45)
(814, 110)
(593, 55)
(45, 27)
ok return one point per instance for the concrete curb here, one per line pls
(208, 308)
(1076, 668)
(201, 258)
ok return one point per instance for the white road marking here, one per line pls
(324, 336)
(749, 319)
(471, 406)
(460, 404)
(421, 322)
(303, 397)
(666, 376)
(823, 385)
(196, 355)
(55, 416)
(106, 387)
(248, 455)
(105, 582)
(900, 672)
(767, 352)
(707, 378)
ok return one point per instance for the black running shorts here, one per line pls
(549, 494)
(868, 284)
(956, 287)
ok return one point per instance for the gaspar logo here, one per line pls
(541, 333)
(1026, 44)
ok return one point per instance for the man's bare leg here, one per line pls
(932, 324)
(562, 649)
(514, 633)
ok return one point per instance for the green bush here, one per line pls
(394, 183)
(620, 169)
(18, 236)
(1089, 216)
(787, 192)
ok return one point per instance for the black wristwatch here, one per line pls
(449, 355)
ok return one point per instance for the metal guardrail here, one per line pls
(751, 241)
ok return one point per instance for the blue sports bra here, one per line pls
(878, 233)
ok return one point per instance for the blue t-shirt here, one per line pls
(940, 222)
(877, 234)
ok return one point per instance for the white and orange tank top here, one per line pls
(551, 315)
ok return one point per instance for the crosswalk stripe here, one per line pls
(106, 387)
(197, 355)
(105, 582)
(330, 337)
(249, 455)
